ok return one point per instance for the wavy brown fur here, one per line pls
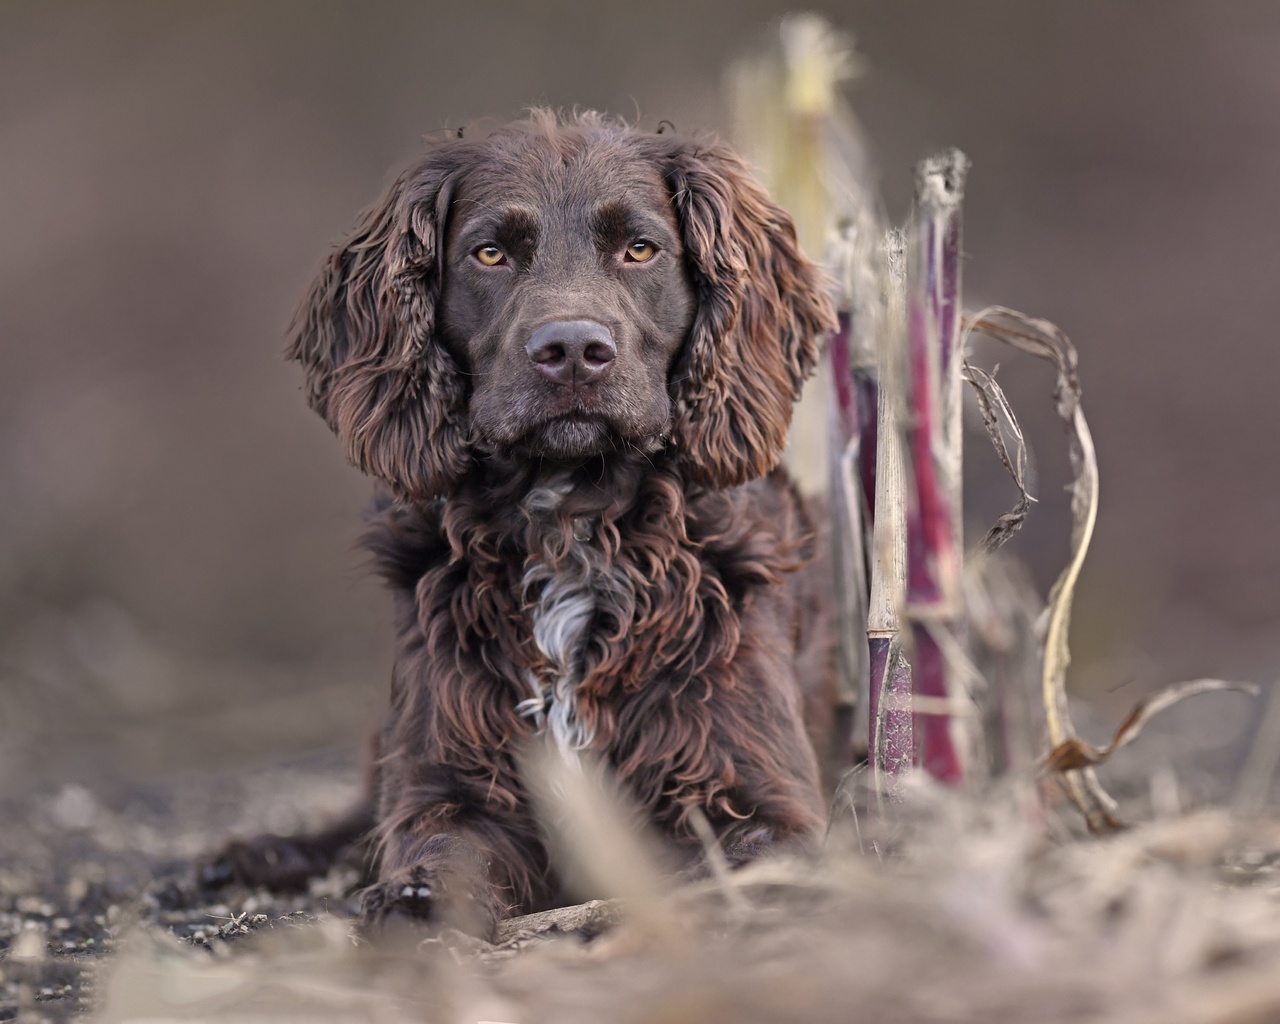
(686, 678)
(682, 688)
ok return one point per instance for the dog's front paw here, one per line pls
(425, 894)
(410, 894)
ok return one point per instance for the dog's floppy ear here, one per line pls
(365, 335)
(763, 311)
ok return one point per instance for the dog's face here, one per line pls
(564, 290)
(565, 299)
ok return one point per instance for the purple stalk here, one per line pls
(933, 504)
(842, 373)
(852, 359)
(848, 521)
(891, 740)
(857, 395)
(866, 387)
(930, 546)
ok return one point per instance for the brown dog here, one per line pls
(569, 352)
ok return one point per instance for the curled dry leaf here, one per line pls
(1075, 753)
(998, 417)
(1045, 341)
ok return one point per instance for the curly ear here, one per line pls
(763, 311)
(364, 334)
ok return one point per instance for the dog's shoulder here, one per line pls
(776, 499)
(755, 534)
(770, 509)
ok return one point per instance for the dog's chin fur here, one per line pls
(577, 438)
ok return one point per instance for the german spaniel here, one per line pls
(568, 353)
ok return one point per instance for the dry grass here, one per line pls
(972, 911)
(996, 907)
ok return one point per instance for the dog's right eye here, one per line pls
(491, 255)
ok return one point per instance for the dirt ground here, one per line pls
(956, 909)
(76, 872)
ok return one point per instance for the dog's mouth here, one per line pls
(581, 434)
(572, 424)
(576, 434)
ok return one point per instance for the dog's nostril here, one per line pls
(598, 354)
(572, 351)
(548, 354)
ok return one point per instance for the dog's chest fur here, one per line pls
(568, 596)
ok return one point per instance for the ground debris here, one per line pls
(959, 910)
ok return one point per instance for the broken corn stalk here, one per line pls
(890, 736)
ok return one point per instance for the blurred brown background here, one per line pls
(178, 587)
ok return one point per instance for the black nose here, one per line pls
(572, 351)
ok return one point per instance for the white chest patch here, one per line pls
(569, 596)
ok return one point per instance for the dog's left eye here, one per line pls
(640, 252)
(490, 255)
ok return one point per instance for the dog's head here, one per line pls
(564, 290)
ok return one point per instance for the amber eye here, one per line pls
(490, 255)
(640, 252)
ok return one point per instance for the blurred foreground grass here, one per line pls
(961, 910)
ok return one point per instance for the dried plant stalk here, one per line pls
(889, 725)
(934, 444)
(1045, 341)
(854, 260)
(850, 537)
(1070, 758)
(790, 118)
(1075, 753)
(892, 738)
